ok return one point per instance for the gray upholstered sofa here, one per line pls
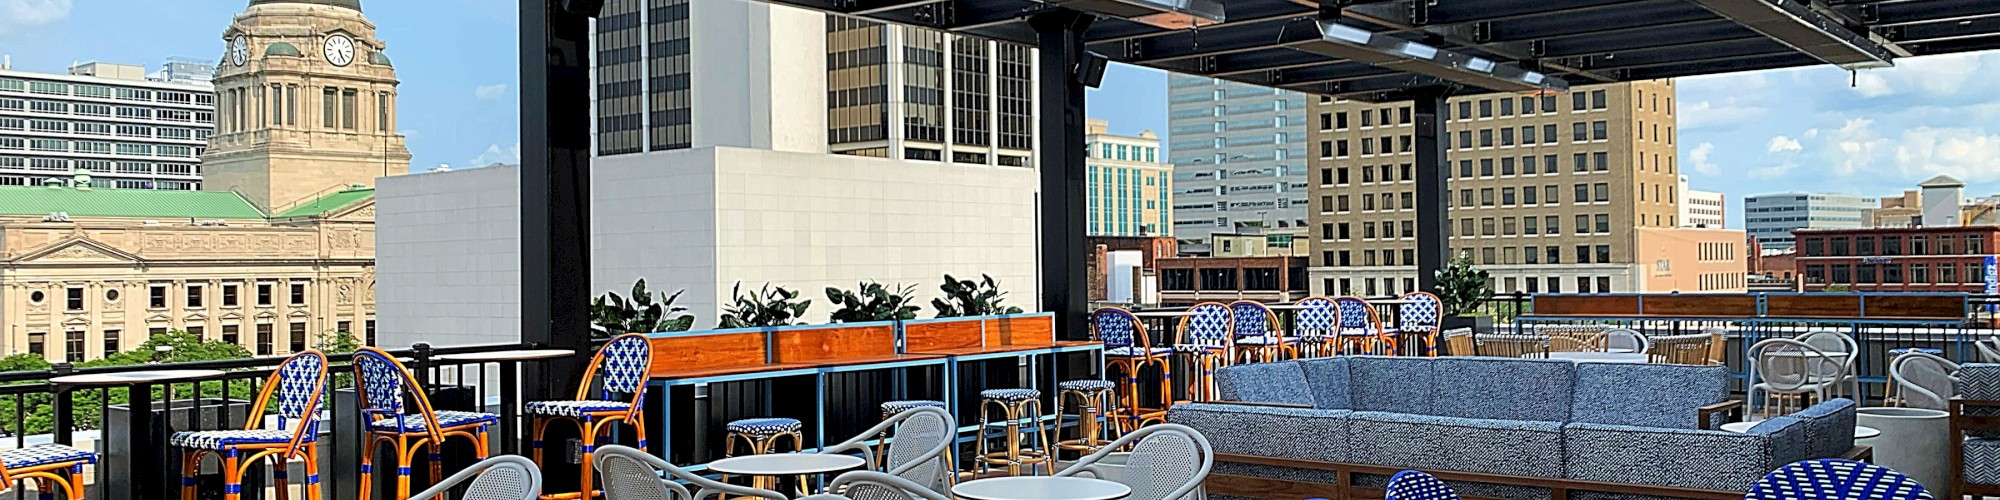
(1630, 424)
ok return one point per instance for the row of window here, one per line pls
(194, 296)
(1549, 225)
(1124, 152)
(1250, 279)
(99, 147)
(1584, 284)
(105, 111)
(1869, 246)
(103, 129)
(1941, 273)
(113, 338)
(105, 92)
(97, 166)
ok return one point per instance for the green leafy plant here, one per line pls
(1462, 287)
(767, 307)
(641, 314)
(39, 417)
(971, 298)
(1837, 288)
(872, 302)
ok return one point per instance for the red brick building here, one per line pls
(1189, 280)
(1910, 259)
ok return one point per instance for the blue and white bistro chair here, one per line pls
(623, 363)
(384, 383)
(1127, 351)
(52, 466)
(1258, 336)
(1419, 317)
(1315, 322)
(1836, 479)
(297, 385)
(1207, 335)
(1417, 485)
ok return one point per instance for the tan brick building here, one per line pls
(1544, 191)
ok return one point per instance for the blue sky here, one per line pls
(1815, 129)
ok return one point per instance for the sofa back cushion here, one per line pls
(1329, 380)
(1390, 384)
(1645, 395)
(1503, 388)
(1283, 383)
(1829, 427)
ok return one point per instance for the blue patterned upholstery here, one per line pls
(1679, 458)
(1328, 378)
(894, 407)
(1135, 352)
(1646, 395)
(1086, 385)
(625, 362)
(381, 383)
(44, 454)
(1834, 479)
(1421, 314)
(1414, 485)
(1116, 328)
(1400, 385)
(1829, 427)
(411, 424)
(1503, 388)
(298, 382)
(1283, 382)
(1295, 433)
(1982, 461)
(758, 428)
(1263, 340)
(1979, 382)
(1010, 395)
(217, 440)
(1356, 316)
(1316, 318)
(1207, 326)
(1508, 447)
(1252, 318)
(576, 409)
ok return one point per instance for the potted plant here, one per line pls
(872, 302)
(971, 298)
(1462, 288)
(614, 315)
(767, 307)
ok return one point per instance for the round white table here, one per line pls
(138, 377)
(1041, 488)
(1860, 432)
(777, 465)
(510, 368)
(1602, 357)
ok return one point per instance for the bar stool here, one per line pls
(762, 435)
(1015, 405)
(1093, 398)
(893, 408)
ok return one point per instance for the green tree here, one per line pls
(641, 314)
(971, 298)
(1462, 287)
(86, 403)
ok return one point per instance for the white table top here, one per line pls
(138, 377)
(514, 355)
(1602, 357)
(1041, 488)
(1860, 431)
(786, 464)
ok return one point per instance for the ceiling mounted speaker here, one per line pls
(1090, 70)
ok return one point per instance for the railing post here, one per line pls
(422, 355)
(65, 408)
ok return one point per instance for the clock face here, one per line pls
(340, 50)
(239, 50)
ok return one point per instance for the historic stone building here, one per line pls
(279, 247)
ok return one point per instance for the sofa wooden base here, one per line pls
(1345, 489)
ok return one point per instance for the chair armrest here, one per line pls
(856, 445)
(528, 467)
(1729, 408)
(1266, 405)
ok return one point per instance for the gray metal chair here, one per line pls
(1923, 380)
(1838, 345)
(505, 477)
(871, 485)
(917, 448)
(1625, 340)
(1169, 462)
(630, 474)
(1787, 368)
(1989, 349)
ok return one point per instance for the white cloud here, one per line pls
(1968, 154)
(1709, 114)
(1854, 147)
(1935, 76)
(490, 92)
(1782, 144)
(1699, 155)
(1773, 171)
(19, 15)
(496, 154)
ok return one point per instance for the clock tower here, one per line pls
(305, 104)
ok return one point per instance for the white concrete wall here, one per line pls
(448, 257)
(757, 82)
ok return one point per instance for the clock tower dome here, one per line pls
(305, 104)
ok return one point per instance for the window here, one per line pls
(368, 338)
(1486, 138)
(326, 111)
(1600, 161)
(1600, 130)
(111, 341)
(347, 109)
(298, 293)
(194, 296)
(229, 295)
(264, 294)
(75, 298)
(1582, 194)
(156, 297)
(1582, 254)
(1815, 247)
(1603, 282)
(196, 331)
(1603, 224)
(37, 343)
(1485, 108)
(1975, 244)
(1864, 274)
(73, 346)
(1486, 197)
(1840, 247)
(1578, 133)
(1528, 195)
(264, 339)
(1577, 101)
(1602, 192)
(1864, 246)
(382, 111)
(1598, 99)
(298, 336)
(1506, 107)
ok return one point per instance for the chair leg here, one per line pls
(281, 475)
(232, 476)
(312, 471)
(368, 466)
(436, 450)
(190, 467)
(45, 490)
(403, 460)
(539, 425)
(590, 430)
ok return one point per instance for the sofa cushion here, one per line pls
(1296, 433)
(1503, 388)
(1329, 380)
(1390, 384)
(1678, 458)
(1283, 383)
(1829, 430)
(1424, 442)
(1982, 461)
(1646, 395)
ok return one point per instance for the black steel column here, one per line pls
(555, 192)
(1433, 219)
(1065, 284)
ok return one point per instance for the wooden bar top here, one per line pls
(668, 375)
(974, 351)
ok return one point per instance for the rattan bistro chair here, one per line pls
(1836, 479)
(1360, 326)
(1315, 323)
(505, 477)
(1206, 337)
(630, 474)
(1690, 349)
(1167, 462)
(1417, 485)
(384, 384)
(1420, 318)
(623, 363)
(51, 466)
(1127, 351)
(296, 386)
(1257, 336)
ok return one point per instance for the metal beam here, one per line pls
(1060, 125)
(555, 192)
(1943, 30)
(1194, 43)
(1433, 246)
(1798, 26)
(1464, 34)
(1901, 13)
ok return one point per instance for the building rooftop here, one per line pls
(157, 204)
(1942, 181)
(329, 202)
(350, 4)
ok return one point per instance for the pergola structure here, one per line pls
(1373, 50)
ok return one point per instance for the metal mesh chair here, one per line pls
(918, 452)
(1921, 380)
(1782, 369)
(296, 386)
(1317, 320)
(1128, 350)
(623, 363)
(1361, 327)
(384, 384)
(505, 477)
(1205, 335)
(1989, 349)
(1168, 462)
(1417, 485)
(630, 474)
(1257, 336)
(1835, 479)
(871, 485)
(1420, 318)
(1839, 371)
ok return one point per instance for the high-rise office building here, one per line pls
(923, 94)
(1544, 191)
(1239, 155)
(106, 120)
(1702, 208)
(1129, 185)
(1770, 218)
